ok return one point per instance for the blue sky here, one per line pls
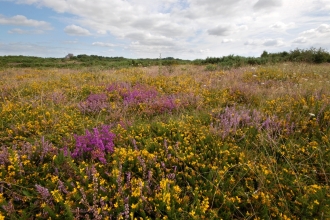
(187, 29)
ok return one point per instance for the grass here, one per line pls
(189, 142)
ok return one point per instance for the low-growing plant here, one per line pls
(94, 145)
(94, 103)
(210, 67)
(242, 143)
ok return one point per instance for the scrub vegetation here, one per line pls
(184, 142)
(94, 62)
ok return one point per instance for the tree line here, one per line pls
(311, 55)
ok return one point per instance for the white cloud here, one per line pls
(309, 32)
(24, 49)
(242, 28)
(315, 32)
(282, 26)
(210, 8)
(144, 22)
(76, 30)
(225, 30)
(150, 39)
(21, 31)
(205, 51)
(59, 5)
(103, 32)
(253, 42)
(320, 8)
(20, 20)
(70, 42)
(264, 42)
(154, 51)
(278, 25)
(272, 42)
(227, 40)
(300, 40)
(102, 44)
(315, 37)
(323, 28)
(221, 30)
(267, 4)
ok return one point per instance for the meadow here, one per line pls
(170, 142)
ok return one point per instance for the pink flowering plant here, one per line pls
(94, 144)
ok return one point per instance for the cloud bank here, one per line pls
(182, 28)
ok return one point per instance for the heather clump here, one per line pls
(93, 104)
(95, 144)
(138, 94)
(232, 121)
(142, 98)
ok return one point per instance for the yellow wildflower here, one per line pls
(205, 205)
(57, 195)
(1, 198)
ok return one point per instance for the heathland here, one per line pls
(166, 142)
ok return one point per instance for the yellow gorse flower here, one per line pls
(205, 205)
(57, 195)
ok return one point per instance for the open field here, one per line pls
(180, 142)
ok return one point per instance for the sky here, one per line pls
(185, 29)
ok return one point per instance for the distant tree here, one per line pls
(264, 54)
(321, 56)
